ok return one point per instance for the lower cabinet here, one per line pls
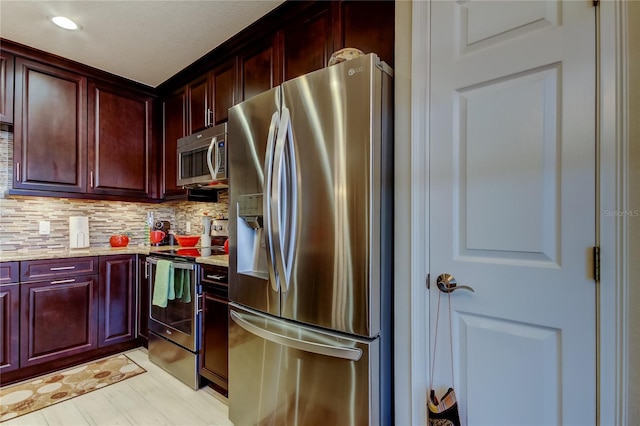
(9, 327)
(59, 319)
(143, 300)
(215, 339)
(117, 300)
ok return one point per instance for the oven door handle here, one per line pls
(176, 265)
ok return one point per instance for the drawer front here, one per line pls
(37, 270)
(217, 275)
(9, 272)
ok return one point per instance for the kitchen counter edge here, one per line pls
(19, 255)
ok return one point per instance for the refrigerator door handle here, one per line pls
(276, 199)
(352, 354)
(266, 200)
(210, 158)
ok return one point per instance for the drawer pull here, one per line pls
(62, 268)
(216, 277)
(63, 281)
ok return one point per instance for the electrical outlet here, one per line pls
(188, 227)
(45, 227)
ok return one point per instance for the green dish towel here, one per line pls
(183, 290)
(163, 289)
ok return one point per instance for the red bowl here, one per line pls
(187, 240)
(119, 240)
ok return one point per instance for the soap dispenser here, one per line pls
(205, 238)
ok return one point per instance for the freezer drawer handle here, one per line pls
(353, 354)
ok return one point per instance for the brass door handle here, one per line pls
(447, 284)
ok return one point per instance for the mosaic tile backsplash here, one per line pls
(20, 216)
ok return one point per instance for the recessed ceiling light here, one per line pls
(64, 22)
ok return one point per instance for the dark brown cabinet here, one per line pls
(175, 127)
(224, 91)
(215, 341)
(120, 149)
(59, 318)
(118, 302)
(9, 317)
(259, 71)
(307, 43)
(366, 25)
(6, 88)
(143, 299)
(50, 133)
(199, 100)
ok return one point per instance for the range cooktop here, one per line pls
(190, 253)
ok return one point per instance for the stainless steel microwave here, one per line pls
(202, 159)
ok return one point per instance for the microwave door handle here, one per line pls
(266, 201)
(209, 158)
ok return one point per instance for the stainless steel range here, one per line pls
(175, 317)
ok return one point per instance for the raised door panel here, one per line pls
(258, 72)
(308, 44)
(9, 327)
(9, 272)
(120, 142)
(50, 136)
(224, 91)
(175, 127)
(215, 358)
(117, 311)
(58, 319)
(6, 84)
(199, 102)
(143, 299)
(368, 26)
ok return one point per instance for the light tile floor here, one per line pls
(152, 398)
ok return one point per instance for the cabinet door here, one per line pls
(120, 142)
(118, 303)
(215, 359)
(368, 26)
(199, 102)
(58, 319)
(50, 133)
(224, 90)
(175, 127)
(258, 71)
(6, 88)
(308, 43)
(9, 327)
(143, 299)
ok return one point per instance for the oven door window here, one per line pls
(179, 313)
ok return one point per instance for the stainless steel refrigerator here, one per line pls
(310, 262)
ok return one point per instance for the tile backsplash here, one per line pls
(20, 216)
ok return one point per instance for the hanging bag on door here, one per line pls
(443, 412)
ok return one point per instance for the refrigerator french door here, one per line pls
(311, 241)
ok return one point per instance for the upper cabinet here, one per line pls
(175, 127)
(366, 25)
(6, 88)
(199, 100)
(307, 43)
(120, 150)
(50, 134)
(224, 90)
(258, 69)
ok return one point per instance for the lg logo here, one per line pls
(352, 71)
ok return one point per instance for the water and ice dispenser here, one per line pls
(252, 253)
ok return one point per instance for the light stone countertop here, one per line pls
(39, 254)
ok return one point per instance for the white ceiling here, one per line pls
(147, 41)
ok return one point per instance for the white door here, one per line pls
(512, 207)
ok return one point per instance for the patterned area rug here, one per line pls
(25, 397)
